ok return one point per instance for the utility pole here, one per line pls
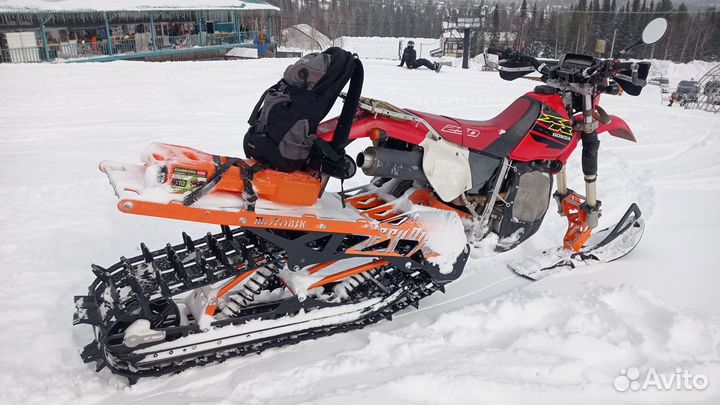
(612, 47)
(466, 48)
(467, 25)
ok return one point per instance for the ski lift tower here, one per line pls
(708, 98)
(466, 25)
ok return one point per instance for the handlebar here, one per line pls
(595, 74)
(518, 57)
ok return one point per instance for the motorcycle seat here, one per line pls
(496, 136)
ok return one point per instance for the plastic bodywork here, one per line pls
(533, 127)
(617, 127)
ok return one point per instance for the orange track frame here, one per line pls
(377, 231)
(378, 227)
(212, 308)
(350, 272)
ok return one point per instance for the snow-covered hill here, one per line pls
(492, 337)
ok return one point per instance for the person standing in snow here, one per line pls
(262, 44)
(673, 98)
(409, 58)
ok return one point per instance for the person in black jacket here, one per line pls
(409, 58)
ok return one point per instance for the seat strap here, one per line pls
(248, 173)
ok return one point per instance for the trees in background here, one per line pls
(543, 28)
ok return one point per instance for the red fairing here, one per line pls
(553, 101)
(617, 128)
(364, 121)
(563, 157)
(536, 145)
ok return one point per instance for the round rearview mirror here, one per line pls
(654, 31)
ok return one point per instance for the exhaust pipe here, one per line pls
(398, 164)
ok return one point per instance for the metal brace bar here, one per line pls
(480, 227)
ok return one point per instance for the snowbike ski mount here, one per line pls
(189, 304)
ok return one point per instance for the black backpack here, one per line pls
(285, 119)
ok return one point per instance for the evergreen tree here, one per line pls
(538, 28)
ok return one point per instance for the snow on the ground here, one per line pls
(492, 337)
(386, 47)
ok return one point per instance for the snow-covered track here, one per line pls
(141, 330)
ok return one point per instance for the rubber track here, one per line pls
(135, 288)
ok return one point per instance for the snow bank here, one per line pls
(677, 72)
(386, 47)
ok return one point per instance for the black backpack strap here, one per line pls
(334, 161)
(256, 111)
(333, 150)
(342, 130)
(327, 151)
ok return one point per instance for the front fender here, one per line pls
(617, 127)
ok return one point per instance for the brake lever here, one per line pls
(634, 76)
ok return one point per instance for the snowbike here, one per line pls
(294, 262)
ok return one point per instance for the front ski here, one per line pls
(604, 246)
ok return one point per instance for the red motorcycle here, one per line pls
(296, 262)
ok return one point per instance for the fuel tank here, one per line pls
(551, 136)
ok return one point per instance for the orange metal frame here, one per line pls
(425, 197)
(212, 308)
(578, 231)
(350, 272)
(382, 223)
(377, 232)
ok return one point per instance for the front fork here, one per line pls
(581, 211)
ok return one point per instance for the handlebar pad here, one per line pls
(495, 51)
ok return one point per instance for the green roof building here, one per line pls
(102, 30)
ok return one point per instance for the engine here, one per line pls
(521, 203)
